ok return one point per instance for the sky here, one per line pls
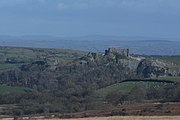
(153, 18)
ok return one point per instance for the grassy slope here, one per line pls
(176, 78)
(126, 87)
(4, 66)
(9, 89)
(27, 55)
(32, 54)
(36, 53)
(173, 59)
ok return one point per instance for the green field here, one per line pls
(17, 55)
(175, 78)
(4, 66)
(126, 87)
(173, 59)
(9, 89)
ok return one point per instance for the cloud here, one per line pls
(80, 5)
(17, 3)
(61, 6)
(125, 4)
(10, 3)
(42, 1)
(73, 5)
(140, 6)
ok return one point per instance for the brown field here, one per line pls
(113, 118)
(142, 111)
(131, 118)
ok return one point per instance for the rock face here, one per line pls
(144, 67)
(117, 56)
(155, 68)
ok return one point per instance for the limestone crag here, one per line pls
(145, 67)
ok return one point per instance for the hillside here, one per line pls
(38, 80)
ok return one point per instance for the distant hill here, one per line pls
(88, 37)
(97, 43)
(121, 38)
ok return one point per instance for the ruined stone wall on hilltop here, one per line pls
(120, 51)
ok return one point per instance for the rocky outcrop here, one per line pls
(117, 56)
(155, 68)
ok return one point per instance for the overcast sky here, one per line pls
(153, 18)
